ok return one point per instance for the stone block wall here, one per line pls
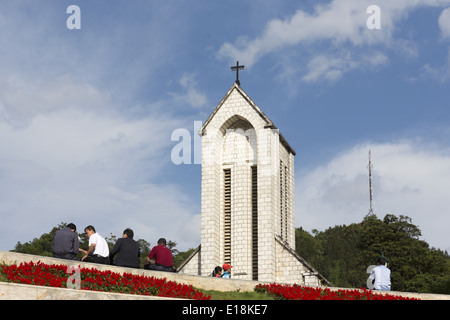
(237, 136)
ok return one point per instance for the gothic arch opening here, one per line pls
(239, 141)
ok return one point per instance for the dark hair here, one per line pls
(90, 228)
(216, 270)
(381, 261)
(162, 241)
(129, 233)
(71, 226)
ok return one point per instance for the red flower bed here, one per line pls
(96, 280)
(296, 292)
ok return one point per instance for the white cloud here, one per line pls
(408, 179)
(437, 73)
(339, 21)
(22, 99)
(90, 170)
(191, 95)
(74, 145)
(74, 162)
(444, 23)
(332, 67)
(332, 28)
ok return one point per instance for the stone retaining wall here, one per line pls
(15, 291)
(31, 292)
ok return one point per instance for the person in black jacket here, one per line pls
(66, 243)
(127, 251)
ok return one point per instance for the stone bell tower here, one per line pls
(247, 209)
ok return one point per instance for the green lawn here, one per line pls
(236, 295)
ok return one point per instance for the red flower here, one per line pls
(96, 280)
(296, 292)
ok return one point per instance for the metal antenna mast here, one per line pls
(370, 185)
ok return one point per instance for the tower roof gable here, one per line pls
(267, 122)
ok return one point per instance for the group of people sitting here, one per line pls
(125, 253)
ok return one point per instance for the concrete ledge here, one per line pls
(201, 282)
(17, 291)
(14, 291)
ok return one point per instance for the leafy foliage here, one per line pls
(343, 253)
(181, 257)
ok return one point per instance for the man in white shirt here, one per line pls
(381, 276)
(98, 251)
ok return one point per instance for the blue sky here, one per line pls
(86, 116)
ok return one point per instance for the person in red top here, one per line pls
(160, 258)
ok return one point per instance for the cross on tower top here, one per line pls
(236, 68)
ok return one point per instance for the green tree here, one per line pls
(144, 247)
(38, 246)
(413, 263)
(180, 257)
(343, 253)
